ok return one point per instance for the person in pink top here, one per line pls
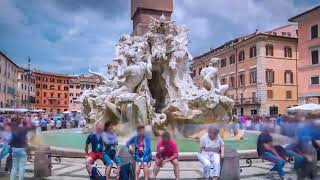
(167, 151)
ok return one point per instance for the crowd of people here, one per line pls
(304, 129)
(104, 147)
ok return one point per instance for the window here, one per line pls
(253, 76)
(223, 62)
(269, 94)
(314, 80)
(65, 95)
(274, 33)
(59, 95)
(59, 88)
(315, 56)
(52, 87)
(288, 77)
(52, 94)
(288, 52)
(232, 81)
(71, 94)
(288, 94)
(66, 88)
(44, 102)
(38, 93)
(51, 80)
(65, 102)
(78, 87)
(71, 86)
(37, 85)
(254, 97)
(269, 76)
(199, 73)
(45, 94)
(289, 34)
(241, 56)
(232, 59)
(38, 102)
(314, 31)
(283, 33)
(70, 101)
(45, 86)
(241, 80)
(58, 102)
(253, 51)
(269, 50)
(59, 81)
(223, 81)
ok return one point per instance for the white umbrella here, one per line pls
(306, 107)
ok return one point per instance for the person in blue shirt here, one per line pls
(43, 124)
(95, 139)
(110, 152)
(142, 151)
(279, 119)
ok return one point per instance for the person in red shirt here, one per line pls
(167, 151)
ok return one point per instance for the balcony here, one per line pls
(247, 101)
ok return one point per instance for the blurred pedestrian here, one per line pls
(19, 144)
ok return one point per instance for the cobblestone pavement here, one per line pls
(74, 169)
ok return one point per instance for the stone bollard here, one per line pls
(42, 162)
(230, 169)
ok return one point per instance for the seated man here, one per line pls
(95, 140)
(211, 151)
(142, 151)
(276, 154)
(5, 138)
(167, 151)
(110, 152)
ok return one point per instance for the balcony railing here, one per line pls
(247, 101)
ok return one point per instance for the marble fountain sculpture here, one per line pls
(149, 83)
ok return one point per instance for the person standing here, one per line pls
(18, 145)
(43, 124)
(167, 151)
(95, 140)
(110, 152)
(211, 152)
(142, 151)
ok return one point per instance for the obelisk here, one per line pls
(142, 10)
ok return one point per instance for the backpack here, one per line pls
(127, 172)
(96, 175)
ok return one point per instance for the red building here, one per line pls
(52, 91)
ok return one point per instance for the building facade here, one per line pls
(77, 86)
(8, 82)
(143, 10)
(260, 69)
(26, 89)
(52, 92)
(309, 55)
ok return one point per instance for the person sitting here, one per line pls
(167, 151)
(110, 152)
(5, 138)
(211, 152)
(142, 151)
(276, 154)
(95, 139)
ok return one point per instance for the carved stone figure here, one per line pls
(149, 82)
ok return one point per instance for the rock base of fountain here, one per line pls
(230, 169)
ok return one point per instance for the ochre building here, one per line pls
(260, 69)
(309, 55)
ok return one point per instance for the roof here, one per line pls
(281, 27)
(8, 58)
(52, 73)
(295, 18)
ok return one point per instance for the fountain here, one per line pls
(149, 83)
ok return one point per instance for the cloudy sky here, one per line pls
(68, 36)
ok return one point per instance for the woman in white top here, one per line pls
(211, 152)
